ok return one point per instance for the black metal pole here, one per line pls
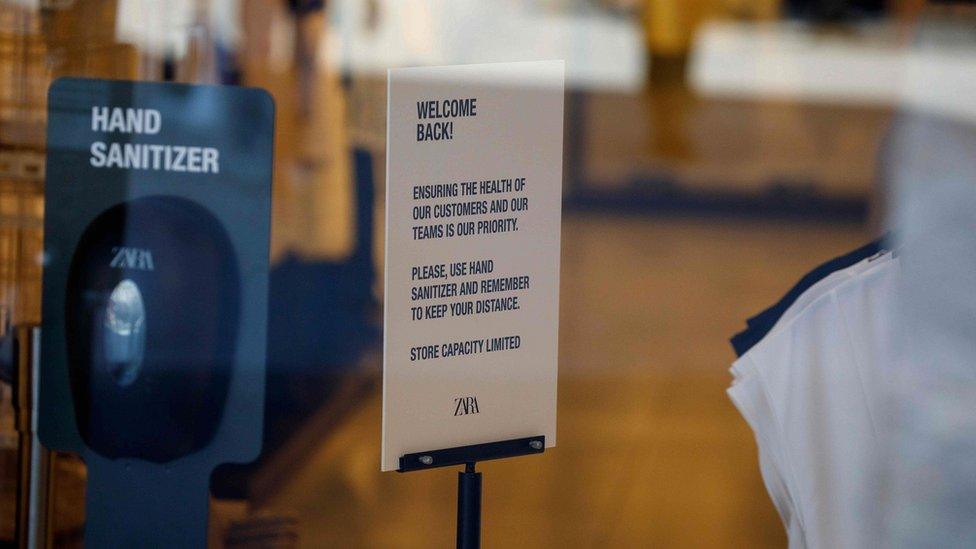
(469, 508)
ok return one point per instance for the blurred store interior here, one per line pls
(715, 151)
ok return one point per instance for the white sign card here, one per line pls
(473, 211)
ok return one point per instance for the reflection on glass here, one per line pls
(125, 334)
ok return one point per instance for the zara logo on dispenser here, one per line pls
(124, 257)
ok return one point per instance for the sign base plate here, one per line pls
(472, 454)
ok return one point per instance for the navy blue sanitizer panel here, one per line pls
(151, 326)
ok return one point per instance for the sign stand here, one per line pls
(471, 307)
(469, 508)
(469, 480)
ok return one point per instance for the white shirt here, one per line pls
(810, 390)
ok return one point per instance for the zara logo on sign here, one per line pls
(132, 258)
(466, 405)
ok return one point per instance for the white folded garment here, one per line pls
(810, 390)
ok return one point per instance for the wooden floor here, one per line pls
(651, 452)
